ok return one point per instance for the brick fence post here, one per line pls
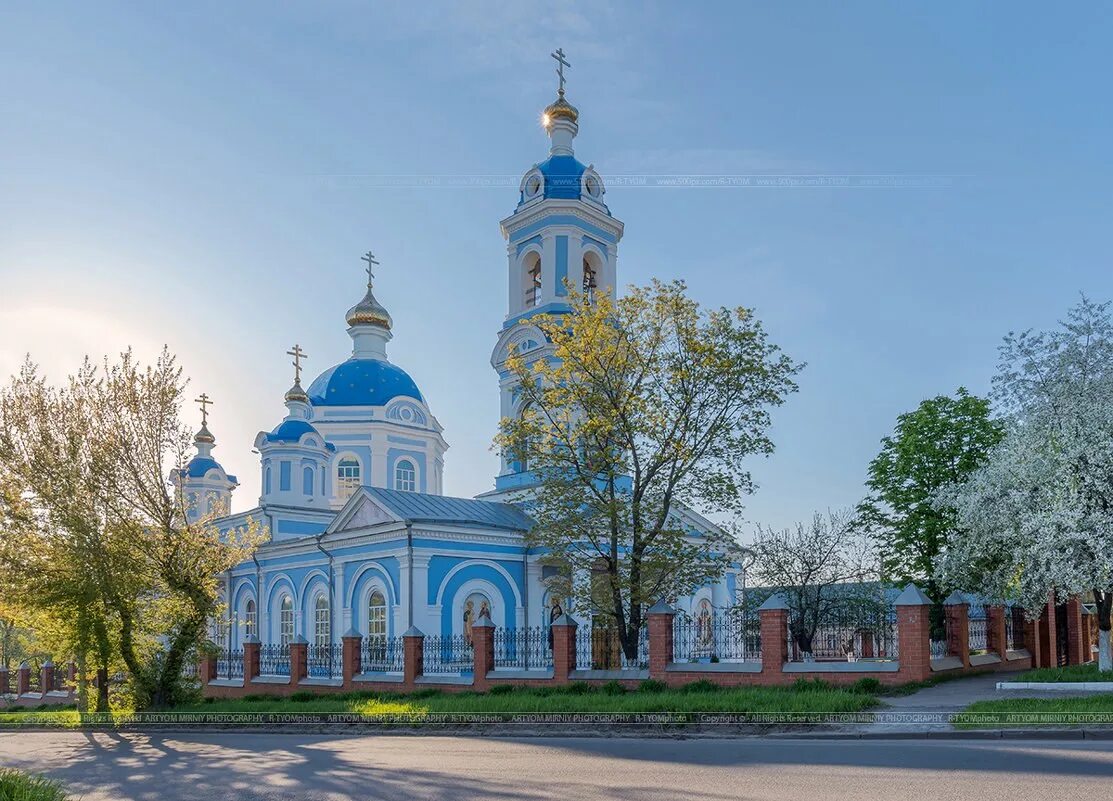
(299, 659)
(564, 647)
(5, 680)
(250, 659)
(996, 635)
(913, 634)
(1049, 654)
(773, 617)
(413, 656)
(1032, 641)
(957, 611)
(23, 679)
(1087, 635)
(660, 639)
(1075, 655)
(350, 657)
(483, 653)
(206, 669)
(46, 677)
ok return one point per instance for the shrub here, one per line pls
(255, 698)
(652, 686)
(811, 685)
(579, 688)
(701, 686)
(612, 688)
(501, 689)
(867, 685)
(22, 787)
(302, 696)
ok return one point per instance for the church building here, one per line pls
(361, 535)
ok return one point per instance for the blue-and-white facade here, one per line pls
(361, 536)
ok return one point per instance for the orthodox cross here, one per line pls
(298, 355)
(205, 403)
(561, 64)
(369, 257)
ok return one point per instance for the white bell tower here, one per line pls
(561, 236)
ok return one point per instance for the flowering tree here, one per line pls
(638, 408)
(819, 568)
(1037, 518)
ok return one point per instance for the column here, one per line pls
(23, 681)
(773, 615)
(46, 676)
(1075, 638)
(413, 655)
(299, 659)
(913, 634)
(564, 647)
(483, 654)
(997, 640)
(958, 627)
(351, 667)
(250, 659)
(660, 639)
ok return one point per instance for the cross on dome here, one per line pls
(204, 402)
(558, 54)
(298, 355)
(369, 257)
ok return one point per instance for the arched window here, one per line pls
(251, 625)
(376, 616)
(307, 480)
(533, 279)
(322, 630)
(405, 476)
(347, 477)
(591, 274)
(267, 481)
(286, 620)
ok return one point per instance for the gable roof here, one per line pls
(415, 507)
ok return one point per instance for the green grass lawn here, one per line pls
(1009, 713)
(1088, 672)
(699, 697)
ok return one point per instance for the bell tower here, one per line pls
(561, 236)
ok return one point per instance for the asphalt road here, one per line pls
(290, 766)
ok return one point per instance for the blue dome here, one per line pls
(199, 465)
(292, 431)
(562, 176)
(362, 382)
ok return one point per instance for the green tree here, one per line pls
(938, 444)
(632, 411)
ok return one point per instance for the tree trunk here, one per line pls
(102, 689)
(1104, 603)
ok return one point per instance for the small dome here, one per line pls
(198, 466)
(293, 431)
(204, 436)
(296, 393)
(561, 109)
(362, 382)
(369, 312)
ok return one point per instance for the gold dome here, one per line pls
(561, 109)
(369, 312)
(296, 393)
(204, 435)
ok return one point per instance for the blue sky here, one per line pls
(207, 174)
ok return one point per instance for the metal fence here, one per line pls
(325, 661)
(189, 667)
(600, 648)
(229, 664)
(274, 660)
(524, 648)
(381, 655)
(1014, 628)
(847, 632)
(725, 636)
(978, 641)
(447, 653)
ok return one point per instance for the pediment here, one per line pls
(362, 511)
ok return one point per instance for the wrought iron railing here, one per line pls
(325, 661)
(977, 629)
(381, 655)
(189, 667)
(447, 653)
(61, 675)
(229, 664)
(600, 648)
(849, 632)
(524, 648)
(725, 636)
(274, 660)
(35, 680)
(1014, 628)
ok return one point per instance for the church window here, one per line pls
(267, 481)
(376, 616)
(307, 480)
(286, 620)
(210, 503)
(284, 476)
(591, 275)
(533, 279)
(347, 477)
(321, 622)
(405, 476)
(251, 624)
